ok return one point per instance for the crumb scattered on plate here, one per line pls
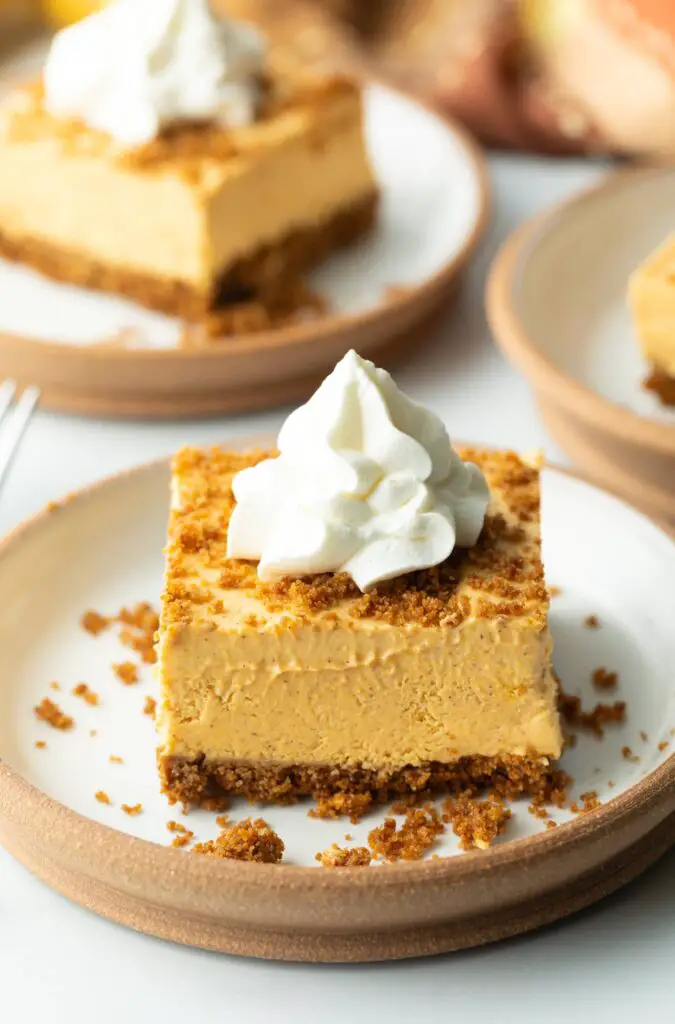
(114, 759)
(595, 720)
(338, 857)
(102, 797)
(603, 679)
(126, 672)
(417, 833)
(40, 744)
(132, 809)
(87, 695)
(94, 623)
(628, 755)
(476, 822)
(150, 706)
(592, 622)
(54, 685)
(49, 712)
(252, 840)
(589, 802)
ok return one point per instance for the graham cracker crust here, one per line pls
(195, 781)
(265, 274)
(662, 384)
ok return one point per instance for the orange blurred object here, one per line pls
(64, 12)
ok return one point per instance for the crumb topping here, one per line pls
(338, 857)
(501, 576)
(252, 840)
(191, 150)
(49, 712)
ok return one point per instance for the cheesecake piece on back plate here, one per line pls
(651, 296)
(384, 624)
(164, 156)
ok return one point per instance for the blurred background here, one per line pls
(542, 75)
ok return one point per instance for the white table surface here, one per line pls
(60, 963)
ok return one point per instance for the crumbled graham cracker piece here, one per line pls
(87, 695)
(132, 809)
(223, 820)
(628, 755)
(94, 623)
(54, 685)
(150, 707)
(592, 622)
(595, 720)
(476, 822)
(114, 759)
(337, 857)
(102, 797)
(603, 679)
(663, 745)
(40, 744)
(245, 840)
(338, 805)
(589, 802)
(417, 834)
(126, 672)
(49, 712)
(554, 591)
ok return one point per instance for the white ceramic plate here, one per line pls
(432, 204)
(571, 278)
(102, 550)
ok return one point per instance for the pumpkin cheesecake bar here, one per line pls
(291, 685)
(186, 171)
(651, 296)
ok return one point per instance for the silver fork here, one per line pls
(14, 418)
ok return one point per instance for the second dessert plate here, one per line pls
(55, 567)
(100, 355)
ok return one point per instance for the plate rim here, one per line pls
(313, 332)
(646, 794)
(522, 348)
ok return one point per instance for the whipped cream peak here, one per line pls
(366, 483)
(138, 66)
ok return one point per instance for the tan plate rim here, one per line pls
(316, 331)
(580, 400)
(103, 842)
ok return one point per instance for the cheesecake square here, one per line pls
(439, 678)
(200, 215)
(651, 298)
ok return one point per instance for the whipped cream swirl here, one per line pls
(366, 483)
(138, 66)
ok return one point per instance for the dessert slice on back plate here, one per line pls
(651, 295)
(163, 156)
(364, 611)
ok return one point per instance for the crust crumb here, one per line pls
(102, 797)
(338, 805)
(663, 745)
(132, 809)
(150, 706)
(40, 744)
(592, 622)
(223, 820)
(595, 720)
(476, 822)
(54, 685)
(338, 857)
(52, 714)
(114, 759)
(87, 695)
(554, 591)
(603, 679)
(589, 802)
(252, 840)
(126, 672)
(417, 834)
(94, 623)
(628, 755)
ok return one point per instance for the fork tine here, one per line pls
(17, 425)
